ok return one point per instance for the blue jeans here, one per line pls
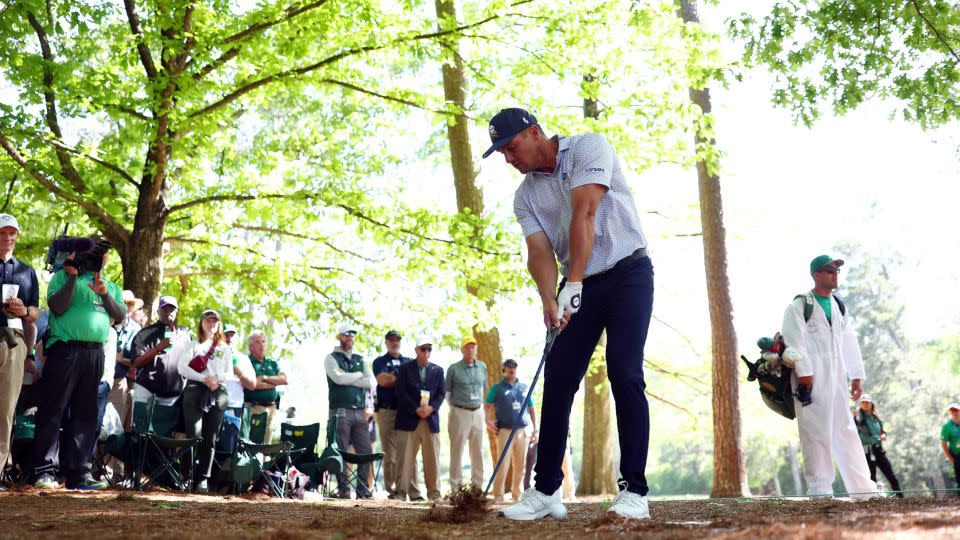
(619, 301)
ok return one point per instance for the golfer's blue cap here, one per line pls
(505, 125)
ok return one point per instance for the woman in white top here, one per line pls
(206, 364)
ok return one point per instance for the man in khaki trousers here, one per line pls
(21, 298)
(420, 393)
(385, 369)
(504, 403)
(466, 385)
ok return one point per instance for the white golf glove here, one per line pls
(569, 298)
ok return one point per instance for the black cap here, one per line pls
(505, 125)
(392, 334)
(509, 362)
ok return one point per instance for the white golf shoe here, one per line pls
(630, 505)
(535, 505)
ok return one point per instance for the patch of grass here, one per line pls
(606, 504)
(168, 505)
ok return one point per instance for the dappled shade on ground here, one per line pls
(31, 513)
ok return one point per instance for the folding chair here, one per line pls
(153, 427)
(20, 444)
(333, 459)
(275, 456)
(303, 439)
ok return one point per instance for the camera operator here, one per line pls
(21, 312)
(82, 307)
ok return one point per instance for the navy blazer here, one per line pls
(408, 389)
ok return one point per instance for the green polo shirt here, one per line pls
(86, 319)
(826, 304)
(266, 368)
(950, 432)
(467, 384)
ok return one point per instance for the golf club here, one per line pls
(551, 336)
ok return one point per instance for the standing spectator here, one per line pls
(950, 441)
(82, 306)
(420, 393)
(348, 378)
(21, 312)
(466, 386)
(241, 377)
(121, 376)
(385, 369)
(155, 366)
(206, 364)
(504, 405)
(264, 396)
(872, 436)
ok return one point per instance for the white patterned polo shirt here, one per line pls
(543, 203)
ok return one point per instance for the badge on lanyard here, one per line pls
(516, 405)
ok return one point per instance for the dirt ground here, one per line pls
(30, 513)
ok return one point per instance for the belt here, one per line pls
(84, 344)
(382, 408)
(466, 408)
(626, 261)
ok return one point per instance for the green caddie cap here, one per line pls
(822, 261)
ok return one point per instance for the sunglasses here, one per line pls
(829, 270)
(426, 348)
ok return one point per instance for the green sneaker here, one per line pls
(88, 483)
(46, 481)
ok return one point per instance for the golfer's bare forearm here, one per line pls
(542, 265)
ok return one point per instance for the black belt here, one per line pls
(466, 408)
(626, 261)
(382, 408)
(84, 344)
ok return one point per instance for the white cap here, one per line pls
(6, 220)
(954, 405)
(424, 340)
(347, 329)
(867, 398)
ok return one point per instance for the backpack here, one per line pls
(229, 436)
(808, 302)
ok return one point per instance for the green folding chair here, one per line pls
(257, 428)
(153, 427)
(276, 456)
(333, 460)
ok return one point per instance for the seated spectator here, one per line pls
(420, 393)
(263, 398)
(157, 373)
(206, 363)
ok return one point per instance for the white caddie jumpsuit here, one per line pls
(831, 354)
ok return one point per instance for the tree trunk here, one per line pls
(729, 466)
(598, 475)
(465, 172)
(143, 257)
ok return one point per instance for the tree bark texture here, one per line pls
(729, 469)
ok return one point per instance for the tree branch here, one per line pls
(145, 57)
(291, 12)
(940, 37)
(351, 86)
(253, 85)
(53, 122)
(92, 209)
(336, 303)
(323, 241)
(13, 181)
(219, 61)
(696, 420)
(235, 197)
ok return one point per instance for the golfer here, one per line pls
(575, 207)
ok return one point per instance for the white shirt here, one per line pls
(220, 364)
(233, 385)
(543, 203)
(109, 356)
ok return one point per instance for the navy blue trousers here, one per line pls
(619, 301)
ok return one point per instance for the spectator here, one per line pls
(348, 377)
(263, 398)
(950, 441)
(241, 376)
(420, 393)
(504, 404)
(82, 306)
(122, 377)
(206, 364)
(466, 386)
(385, 368)
(22, 311)
(872, 436)
(155, 366)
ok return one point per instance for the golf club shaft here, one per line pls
(551, 336)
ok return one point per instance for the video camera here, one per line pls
(89, 253)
